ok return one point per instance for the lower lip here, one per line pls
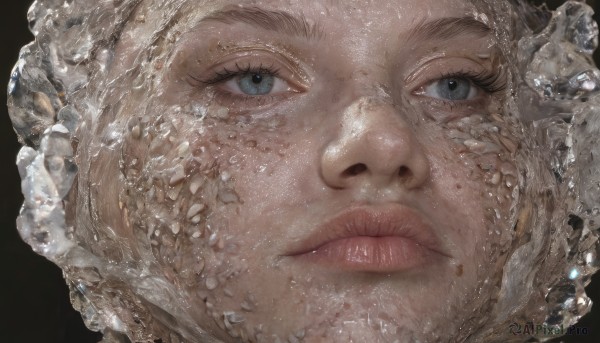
(371, 254)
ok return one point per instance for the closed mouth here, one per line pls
(388, 238)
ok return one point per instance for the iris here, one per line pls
(256, 84)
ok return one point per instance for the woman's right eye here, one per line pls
(251, 79)
(256, 84)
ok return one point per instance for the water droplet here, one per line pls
(173, 193)
(43, 105)
(481, 148)
(249, 303)
(178, 176)
(183, 149)
(227, 196)
(211, 283)
(225, 176)
(574, 273)
(300, 333)
(234, 317)
(194, 210)
(195, 185)
(213, 239)
(196, 219)
(175, 228)
(136, 131)
(496, 178)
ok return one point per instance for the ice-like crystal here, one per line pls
(133, 292)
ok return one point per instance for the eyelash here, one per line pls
(225, 74)
(489, 81)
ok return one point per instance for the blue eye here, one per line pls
(256, 84)
(454, 88)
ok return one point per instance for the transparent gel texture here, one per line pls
(59, 86)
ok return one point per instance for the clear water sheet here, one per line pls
(60, 86)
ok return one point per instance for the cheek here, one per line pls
(475, 187)
(181, 202)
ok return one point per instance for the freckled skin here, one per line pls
(264, 176)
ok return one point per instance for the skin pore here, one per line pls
(263, 127)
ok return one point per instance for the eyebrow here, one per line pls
(448, 28)
(278, 21)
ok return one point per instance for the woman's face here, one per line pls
(318, 170)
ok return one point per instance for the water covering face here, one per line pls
(134, 193)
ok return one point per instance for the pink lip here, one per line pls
(372, 239)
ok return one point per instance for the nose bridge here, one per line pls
(375, 146)
(374, 118)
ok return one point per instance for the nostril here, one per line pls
(403, 172)
(355, 169)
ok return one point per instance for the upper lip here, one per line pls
(372, 221)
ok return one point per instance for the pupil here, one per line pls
(452, 84)
(256, 78)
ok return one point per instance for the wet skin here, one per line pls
(363, 197)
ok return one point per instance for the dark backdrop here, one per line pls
(34, 305)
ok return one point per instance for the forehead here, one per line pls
(400, 13)
(350, 18)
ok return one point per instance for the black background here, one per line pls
(34, 305)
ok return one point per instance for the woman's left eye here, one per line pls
(451, 88)
(256, 84)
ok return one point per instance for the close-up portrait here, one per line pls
(285, 171)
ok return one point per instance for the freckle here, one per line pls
(459, 270)
(458, 186)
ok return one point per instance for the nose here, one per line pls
(375, 147)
